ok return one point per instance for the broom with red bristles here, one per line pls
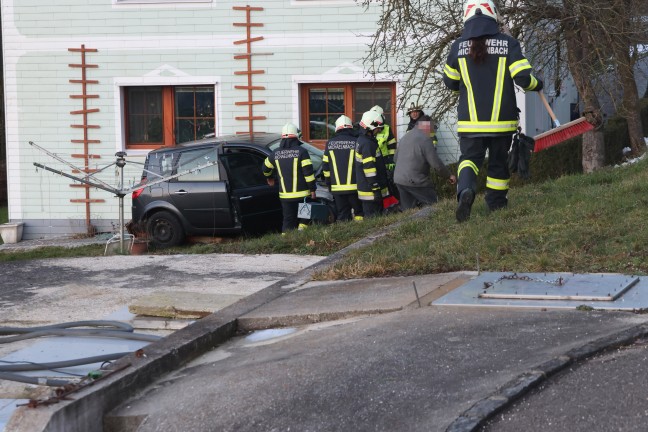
(560, 133)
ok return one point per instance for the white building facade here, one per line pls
(85, 79)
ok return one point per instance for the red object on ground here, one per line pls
(390, 201)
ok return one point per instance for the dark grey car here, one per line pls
(214, 186)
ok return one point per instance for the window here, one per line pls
(157, 116)
(160, 1)
(190, 160)
(322, 104)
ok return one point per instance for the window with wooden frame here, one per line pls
(164, 116)
(159, 1)
(323, 103)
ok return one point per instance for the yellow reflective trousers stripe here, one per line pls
(468, 164)
(497, 184)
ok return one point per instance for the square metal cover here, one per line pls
(537, 286)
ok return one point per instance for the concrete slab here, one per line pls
(181, 304)
(325, 301)
(635, 297)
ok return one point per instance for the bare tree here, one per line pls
(562, 37)
(616, 31)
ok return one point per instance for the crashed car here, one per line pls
(214, 186)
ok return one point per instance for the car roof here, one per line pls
(261, 139)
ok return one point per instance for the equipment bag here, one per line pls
(313, 210)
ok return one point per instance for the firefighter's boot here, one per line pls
(466, 198)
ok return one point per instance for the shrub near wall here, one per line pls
(562, 159)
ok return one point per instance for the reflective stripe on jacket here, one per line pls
(487, 104)
(338, 162)
(371, 173)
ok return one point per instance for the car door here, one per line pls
(258, 203)
(200, 194)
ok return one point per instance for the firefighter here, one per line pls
(415, 113)
(371, 173)
(483, 65)
(386, 140)
(387, 144)
(294, 170)
(339, 170)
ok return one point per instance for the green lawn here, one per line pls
(583, 224)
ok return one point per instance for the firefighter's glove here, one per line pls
(526, 146)
(520, 155)
(390, 166)
(514, 154)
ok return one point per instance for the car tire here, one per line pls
(164, 230)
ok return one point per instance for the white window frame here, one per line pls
(120, 83)
(321, 2)
(123, 2)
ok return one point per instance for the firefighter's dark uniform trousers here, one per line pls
(473, 153)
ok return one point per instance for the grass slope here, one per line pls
(583, 224)
(580, 223)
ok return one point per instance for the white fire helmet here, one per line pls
(343, 122)
(378, 109)
(371, 120)
(487, 8)
(289, 131)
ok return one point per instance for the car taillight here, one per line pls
(138, 192)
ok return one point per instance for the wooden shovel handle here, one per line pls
(549, 110)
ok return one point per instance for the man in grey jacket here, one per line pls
(415, 155)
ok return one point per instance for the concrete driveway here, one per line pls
(54, 291)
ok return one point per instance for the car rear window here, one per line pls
(194, 165)
(158, 165)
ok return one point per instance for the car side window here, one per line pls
(245, 169)
(200, 165)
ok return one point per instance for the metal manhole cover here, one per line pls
(536, 286)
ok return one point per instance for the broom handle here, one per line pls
(549, 110)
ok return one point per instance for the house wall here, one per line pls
(169, 43)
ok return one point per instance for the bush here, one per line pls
(562, 159)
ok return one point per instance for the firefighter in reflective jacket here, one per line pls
(386, 140)
(295, 172)
(387, 144)
(483, 65)
(338, 166)
(371, 173)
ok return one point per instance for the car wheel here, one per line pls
(164, 230)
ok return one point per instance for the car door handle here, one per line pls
(245, 197)
(180, 192)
